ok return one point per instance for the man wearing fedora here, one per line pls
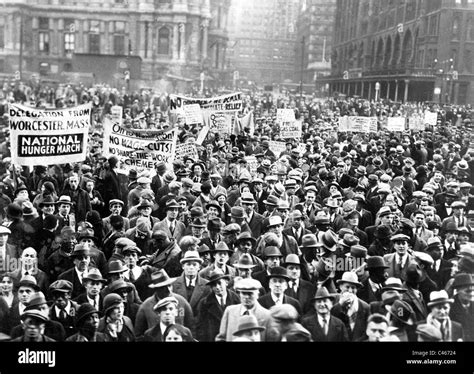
(413, 295)
(402, 321)
(64, 215)
(254, 219)
(350, 309)
(440, 270)
(63, 309)
(248, 330)
(392, 290)
(139, 276)
(296, 227)
(440, 306)
(124, 289)
(371, 289)
(53, 329)
(79, 197)
(220, 260)
(46, 207)
(398, 261)
(272, 258)
(462, 309)
(81, 258)
(245, 243)
(204, 197)
(8, 252)
(211, 307)
(115, 207)
(87, 238)
(238, 216)
(322, 324)
(167, 254)
(170, 224)
(87, 325)
(34, 323)
(111, 183)
(278, 283)
(298, 288)
(216, 187)
(146, 318)
(190, 285)
(144, 209)
(143, 183)
(247, 290)
(94, 283)
(450, 241)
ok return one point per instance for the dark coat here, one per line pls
(40, 276)
(418, 305)
(289, 231)
(82, 299)
(304, 294)
(69, 322)
(71, 276)
(337, 331)
(464, 316)
(367, 294)
(360, 323)
(267, 302)
(209, 315)
(200, 291)
(52, 329)
(111, 187)
(255, 224)
(154, 334)
(82, 203)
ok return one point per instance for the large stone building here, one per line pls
(174, 40)
(413, 50)
(262, 40)
(314, 40)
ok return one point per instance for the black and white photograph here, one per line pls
(293, 173)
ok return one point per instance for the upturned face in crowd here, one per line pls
(168, 314)
(48, 209)
(23, 195)
(89, 186)
(452, 236)
(220, 287)
(64, 209)
(93, 288)
(24, 294)
(438, 177)
(441, 311)
(131, 259)
(198, 231)
(74, 182)
(466, 294)
(29, 257)
(400, 246)
(116, 209)
(294, 271)
(248, 298)
(191, 268)
(323, 306)
(212, 212)
(258, 187)
(277, 229)
(310, 198)
(6, 285)
(221, 258)
(92, 320)
(419, 220)
(387, 219)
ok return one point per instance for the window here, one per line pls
(43, 39)
(69, 42)
(43, 23)
(164, 41)
(94, 37)
(456, 29)
(2, 36)
(119, 44)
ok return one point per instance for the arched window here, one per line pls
(164, 41)
(456, 28)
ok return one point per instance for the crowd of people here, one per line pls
(360, 237)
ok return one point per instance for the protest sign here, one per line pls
(290, 130)
(431, 118)
(358, 124)
(285, 115)
(47, 137)
(202, 135)
(277, 147)
(186, 150)
(220, 122)
(117, 114)
(396, 124)
(193, 114)
(416, 123)
(252, 165)
(225, 103)
(138, 149)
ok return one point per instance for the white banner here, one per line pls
(48, 137)
(396, 124)
(252, 164)
(277, 147)
(416, 123)
(285, 115)
(225, 103)
(358, 124)
(117, 114)
(139, 149)
(221, 122)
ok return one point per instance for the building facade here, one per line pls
(404, 50)
(315, 29)
(173, 40)
(263, 36)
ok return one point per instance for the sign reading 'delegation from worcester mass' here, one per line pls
(47, 137)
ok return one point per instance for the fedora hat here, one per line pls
(292, 259)
(332, 203)
(48, 200)
(222, 247)
(248, 198)
(383, 232)
(199, 222)
(95, 276)
(232, 228)
(119, 284)
(271, 200)
(145, 204)
(37, 299)
(376, 262)
(451, 227)
(196, 211)
(214, 204)
(357, 251)
(324, 268)
(462, 280)
(279, 272)
(323, 293)
(246, 236)
(349, 240)
(352, 214)
(29, 281)
(237, 212)
(117, 267)
(403, 312)
(86, 234)
(274, 221)
(160, 278)
(245, 262)
(4, 230)
(393, 284)
(80, 250)
(64, 199)
(215, 276)
(29, 210)
(414, 274)
(85, 310)
(329, 240)
(439, 297)
(14, 211)
(349, 277)
(309, 241)
(191, 256)
(322, 220)
(247, 323)
(271, 251)
(214, 224)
